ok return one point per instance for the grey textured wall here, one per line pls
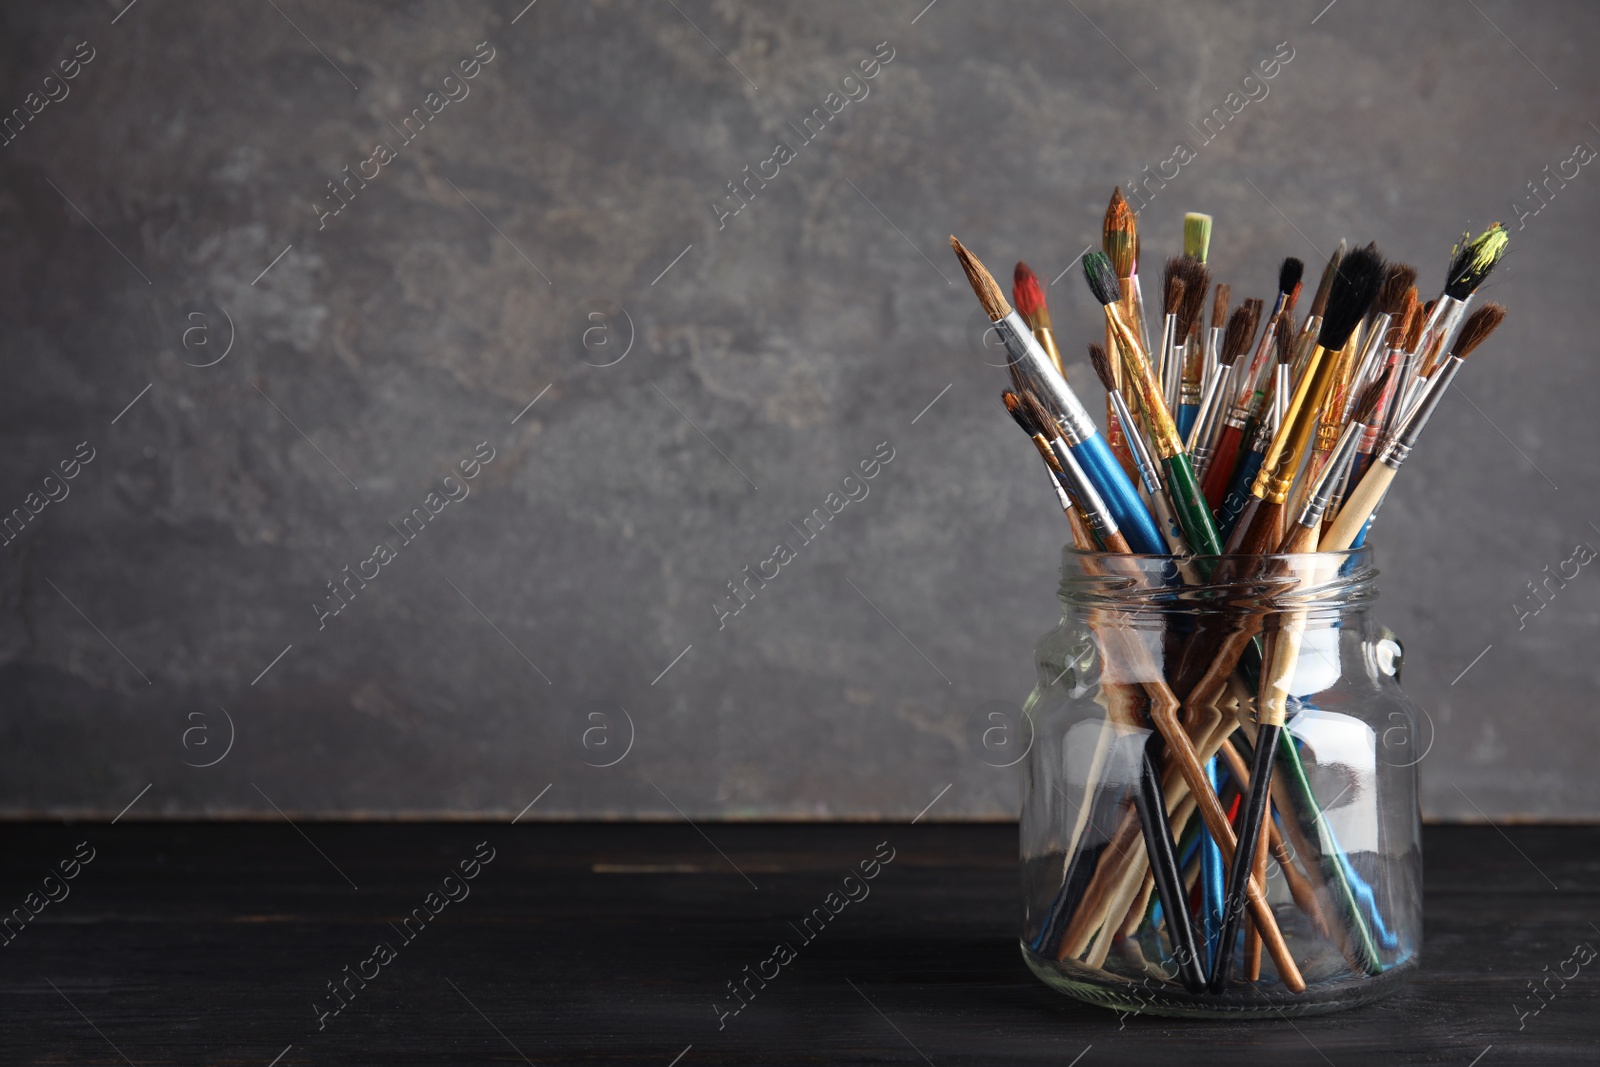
(163, 212)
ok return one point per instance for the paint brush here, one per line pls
(1083, 538)
(1199, 364)
(1237, 335)
(1365, 499)
(1149, 474)
(1238, 503)
(1307, 338)
(1162, 435)
(1028, 295)
(1119, 239)
(1197, 236)
(1353, 290)
(1471, 262)
(1234, 435)
(1077, 483)
(1082, 438)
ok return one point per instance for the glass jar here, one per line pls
(1152, 684)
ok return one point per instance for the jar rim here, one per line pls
(1321, 582)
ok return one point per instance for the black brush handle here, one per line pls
(1163, 855)
(1244, 852)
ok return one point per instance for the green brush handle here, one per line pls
(1193, 513)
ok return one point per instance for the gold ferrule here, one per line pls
(1339, 396)
(1288, 446)
(1161, 431)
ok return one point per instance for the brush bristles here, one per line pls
(1040, 415)
(1119, 235)
(1400, 322)
(1027, 294)
(1479, 325)
(982, 282)
(1241, 331)
(1283, 340)
(1018, 413)
(1367, 408)
(1398, 281)
(1172, 286)
(1102, 280)
(1413, 338)
(1196, 235)
(1196, 283)
(1102, 366)
(1324, 287)
(1351, 295)
(1289, 275)
(1219, 305)
(1472, 260)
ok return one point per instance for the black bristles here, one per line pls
(1472, 260)
(1102, 279)
(1102, 366)
(1014, 407)
(1289, 274)
(1354, 288)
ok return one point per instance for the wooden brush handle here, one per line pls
(1358, 508)
(1300, 887)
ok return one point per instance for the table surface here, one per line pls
(613, 943)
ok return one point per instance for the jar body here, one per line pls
(1146, 669)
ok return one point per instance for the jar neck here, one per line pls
(1321, 585)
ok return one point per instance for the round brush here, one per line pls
(1028, 295)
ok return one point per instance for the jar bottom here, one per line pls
(1096, 987)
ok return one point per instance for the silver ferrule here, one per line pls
(1206, 421)
(1083, 490)
(1280, 396)
(1446, 316)
(1332, 476)
(1370, 359)
(1037, 367)
(1213, 360)
(1402, 442)
(1148, 472)
(1139, 324)
(1171, 369)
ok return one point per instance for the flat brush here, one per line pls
(1368, 495)
(1349, 297)
(1028, 295)
(1149, 473)
(1083, 439)
(1234, 433)
(1193, 515)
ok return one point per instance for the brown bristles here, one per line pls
(1367, 408)
(1400, 322)
(1119, 236)
(1219, 305)
(1040, 415)
(1320, 302)
(1241, 331)
(982, 282)
(1014, 406)
(1029, 296)
(1479, 325)
(1419, 319)
(1400, 280)
(1102, 366)
(1172, 285)
(1294, 298)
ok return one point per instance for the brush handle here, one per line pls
(1213, 892)
(1187, 413)
(1244, 855)
(1198, 528)
(1121, 498)
(1237, 501)
(1168, 876)
(1219, 470)
(1358, 508)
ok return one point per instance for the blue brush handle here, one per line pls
(1212, 889)
(1238, 494)
(1186, 417)
(1094, 456)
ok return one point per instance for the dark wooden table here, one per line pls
(613, 944)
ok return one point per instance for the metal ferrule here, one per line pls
(1331, 477)
(1294, 433)
(1249, 383)
(1207, 422)
(1133, 303)
(1213, 350)
(1446, 316)
(1171, 367)
(1280, 391)
(1162, 432)
(1148, 474)
(1371, 359)
(1083, 491)
(1026, 352)
(1399, 447)
(1047, 341)
(1340, 396)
